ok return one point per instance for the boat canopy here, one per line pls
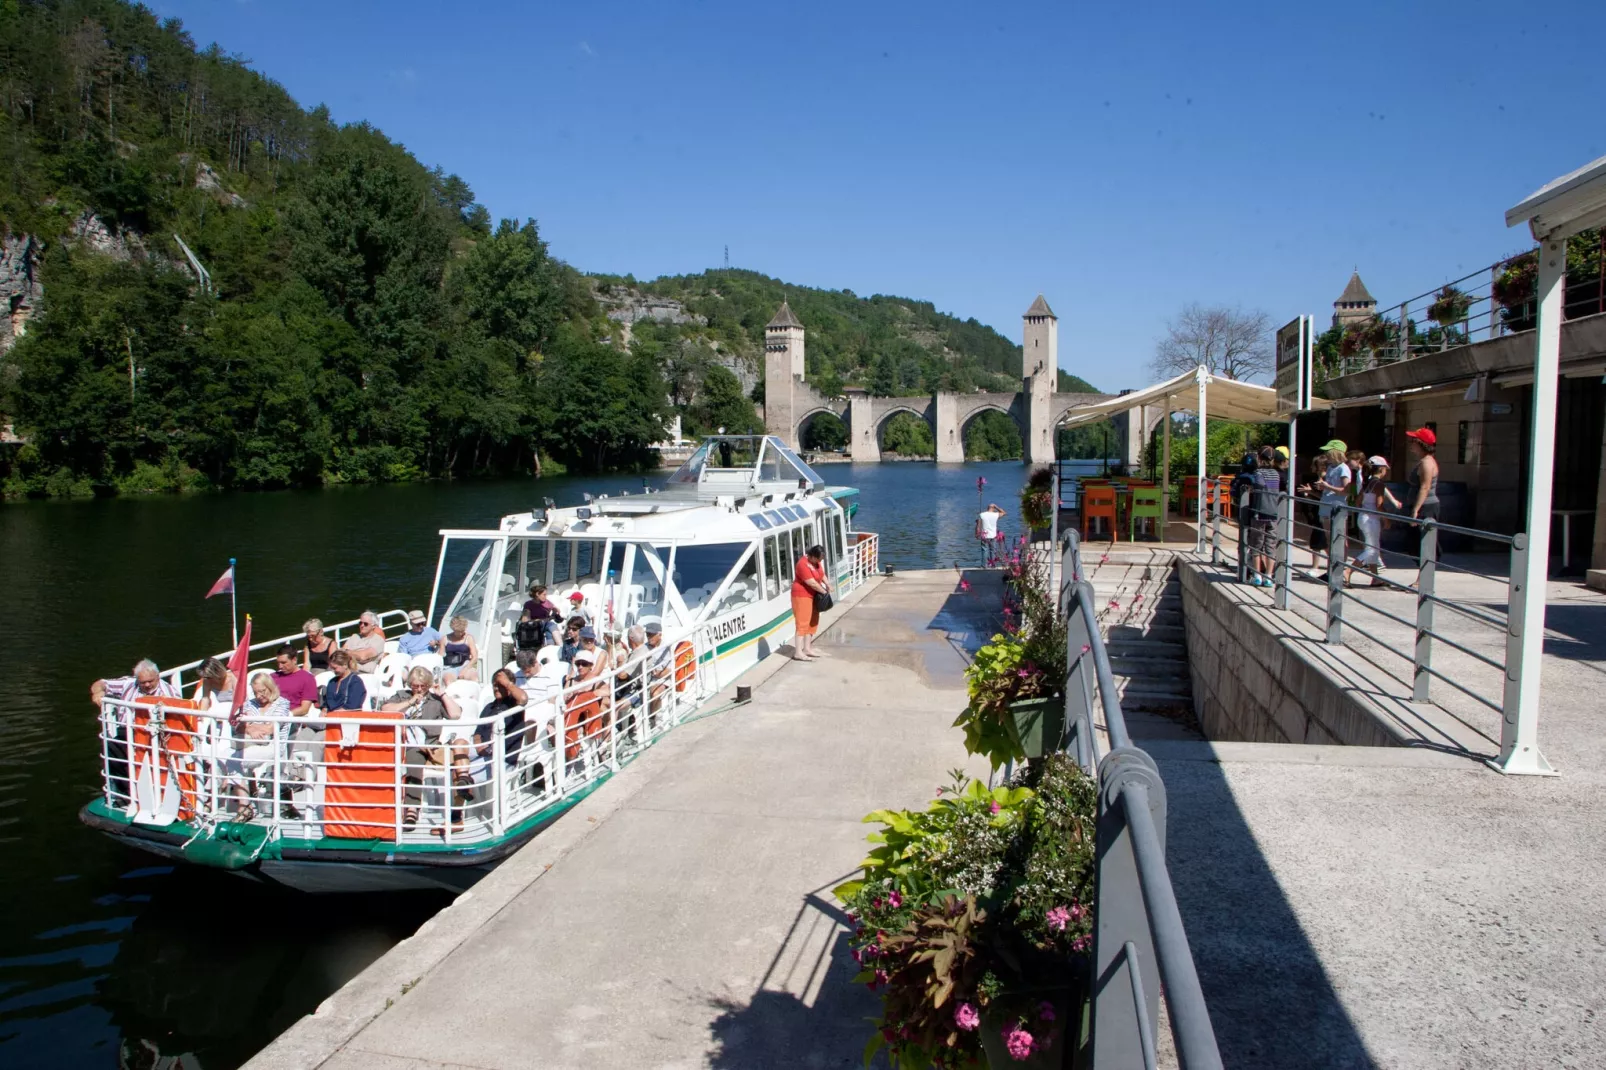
(740, 465)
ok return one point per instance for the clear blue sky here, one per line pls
(1122, 159)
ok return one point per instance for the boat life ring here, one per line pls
(685, 664)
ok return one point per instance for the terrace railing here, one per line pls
(1487, 601)
(1139, 944)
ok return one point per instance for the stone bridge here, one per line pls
(1037, 408)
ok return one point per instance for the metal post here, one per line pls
(1337, 556)
(1122, 916)
(1202, 377)
(498, 776)
(1215, 523)
(1426, 581)
(1285, 550)
(1519, 730)
(1165, 473)
(1244, 564)
(1054, 536)
(1402, 349)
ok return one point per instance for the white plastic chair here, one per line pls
(322, 679)
(392, 672)
(546, 655)
(554, 670)
(392, 646)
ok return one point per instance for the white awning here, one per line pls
(1225, 399)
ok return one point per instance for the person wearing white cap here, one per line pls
(1373, 496)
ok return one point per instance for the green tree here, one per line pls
(722, 404)
(992, 436)
(825, 431)
(907, 435)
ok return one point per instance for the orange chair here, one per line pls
(1223, 497)
(1190, 492)
(1100, 502)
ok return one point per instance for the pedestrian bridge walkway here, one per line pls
(681, 915)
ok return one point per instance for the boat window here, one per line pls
(647, 581)
(534, 562)
(788, 559)
(736, 453)
(585, 559)
(465, 575)
(775, 518)
(616, 561)
(790, 464)
(692, 470)
(562, 558)
(772, 568)
(699, 570)
(743, 589)
(760, 521)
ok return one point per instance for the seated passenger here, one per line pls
(507, 695)
(419, 638)
(217, 683)
(528, 668)
(588, 644)
(660, 668)
(583, 716)
(260, 727)
(295, 684)
(577, 607)
(540, 618)
(145, 679)
(631, 665)
(346, 691)
(571, 639)
(459, 648)
(367, 647)
(316, 650)
(430, 746)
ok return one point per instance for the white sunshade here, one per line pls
(1225, 399)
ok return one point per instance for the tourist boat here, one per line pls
(378, 799)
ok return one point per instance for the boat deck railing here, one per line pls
(1139, 944)
(383, 774)
(864, 557)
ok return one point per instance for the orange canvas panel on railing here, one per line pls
(360, 789)
(170, 757)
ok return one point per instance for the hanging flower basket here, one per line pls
(1513, 288)
(1037, 499)
(1449, 306)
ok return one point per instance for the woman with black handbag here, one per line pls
(811, 595)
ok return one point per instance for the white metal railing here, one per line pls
(864, 557)
(386, 775)
(395, 620)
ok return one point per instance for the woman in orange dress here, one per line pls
(808, 579)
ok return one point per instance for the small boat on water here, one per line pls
(379, 799)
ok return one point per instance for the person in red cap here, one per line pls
(1423, 492)
(1422, 488)
(577, 608)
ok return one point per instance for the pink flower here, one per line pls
(1081, 943)
(994, 808)
(1045, 1011)
(966, 1017)
(895, 900)
(1077, 911)
(881, 977)
(1058, 918)
(876, 903)
(1018, 1042)
(964, 585)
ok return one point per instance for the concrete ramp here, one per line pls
(682, 916)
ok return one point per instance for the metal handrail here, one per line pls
(1139, 942)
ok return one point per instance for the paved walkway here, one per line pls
(1394, 907)
(681, 916)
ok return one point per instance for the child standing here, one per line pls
(1373, 496)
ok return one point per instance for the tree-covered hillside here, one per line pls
(355, 316)
(886, 345)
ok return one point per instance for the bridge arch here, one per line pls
(968, 417)
(838, 414)
(883, 418)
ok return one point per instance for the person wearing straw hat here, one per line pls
(1373, 497)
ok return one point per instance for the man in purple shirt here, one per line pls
(296, 684)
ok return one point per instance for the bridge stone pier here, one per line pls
(790, 402)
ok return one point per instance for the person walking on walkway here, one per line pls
(1422, 489)
(808, 581)
(1373, 497)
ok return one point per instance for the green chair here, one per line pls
(1146, 503)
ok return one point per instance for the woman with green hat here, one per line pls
(1334, 486)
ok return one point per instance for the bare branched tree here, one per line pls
(1229, 341)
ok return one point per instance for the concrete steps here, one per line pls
(1139, 601)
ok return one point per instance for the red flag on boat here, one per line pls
(239, 663)
(225, 582)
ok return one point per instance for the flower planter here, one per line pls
(1049, 1049)
(1037, 724)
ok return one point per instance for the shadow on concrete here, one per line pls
(973, 613)
(1270, 1000)
(807, 1011)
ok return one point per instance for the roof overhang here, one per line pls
(1564, 206)
(1225, 399)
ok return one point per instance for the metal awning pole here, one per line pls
(1519, 729)
(1199, 501)
(1165, 476)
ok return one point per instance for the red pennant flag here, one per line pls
(239, 662)
(224, 584)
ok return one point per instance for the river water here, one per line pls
(108, 959)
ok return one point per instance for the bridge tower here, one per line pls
(783, 373)
(1040, 347)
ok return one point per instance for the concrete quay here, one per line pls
(682, 914)
(1399, 905)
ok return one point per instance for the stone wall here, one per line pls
(1254, 681)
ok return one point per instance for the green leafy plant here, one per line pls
(972, 917)
(1000, 673)
(1037, 499)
